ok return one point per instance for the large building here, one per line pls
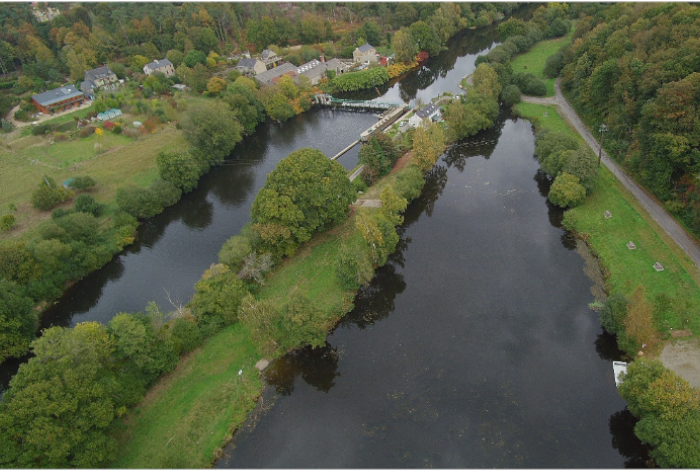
(365, 53)
(163, 66)
(268, 77)
(58, 99)
(101, 78)
(315, 70)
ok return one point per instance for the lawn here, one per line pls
(191, 413)
(125, 161)
(625, 269)
(533, 61)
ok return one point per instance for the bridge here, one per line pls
(328, 100)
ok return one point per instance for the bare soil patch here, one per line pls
(683, 358)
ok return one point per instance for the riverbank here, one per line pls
(607, 238)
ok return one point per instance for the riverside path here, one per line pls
(647, 201)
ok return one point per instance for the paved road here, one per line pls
(657, 212)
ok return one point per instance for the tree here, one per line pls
(62, 402)
(405, 46)
(215, 85)
(353, 266)
(261, 318)
(428, 145)
(639, 322)
(217, 298)
(300, 324)
(566, 191)
(510, 95)
(426, 38)
(275, 102)
(213, 129)
(371, 33)
(511, 27)
(303, 194)
(180, 168)
(392, 205)
(582, 163)
(49, 194)
(289, 88)
(234, 251)
(486, 81)
(18, 321)
(175, 56)
(194, 57)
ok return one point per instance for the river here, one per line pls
(473, 347)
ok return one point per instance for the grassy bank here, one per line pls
(533, 61)
(189, 413)
(624, 268)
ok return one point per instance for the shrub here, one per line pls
(354, 81)
(165, 193)
(510, 95)
(529, 84)
(566, 191)
(88, 204)
(86, 131)
(612, 315)
(185, 335)
(234, 251)
(553, 65)
(353, 267)
(19, 321)
(180, 168)
(582, 164)
(217, 298)
(359, 185)
(41, 129)
(60, 212)
(82, 183)
(48, 194)
(299, 324)
(7, 221)
(409, 183)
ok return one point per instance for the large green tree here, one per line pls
(305, 193)
(212, 128)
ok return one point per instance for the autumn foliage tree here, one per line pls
(428, 145)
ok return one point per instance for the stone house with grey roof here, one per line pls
(269, 58)
(163, 66)
(101, 78)
(250, 67)
(58, 99)
(365, 53)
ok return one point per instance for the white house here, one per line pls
(427, 113)
(250, 66)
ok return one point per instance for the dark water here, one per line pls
(473, 347)
(174, 248)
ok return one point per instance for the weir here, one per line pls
(388, 118)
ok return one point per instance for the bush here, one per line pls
(529, 84)
(7, 221)
(553, 65)
(409, 183)
(234, 251)
(354, 81)
(144, 203)
(510, 95)
(48, 195)
(180, 168)
(353, 267)
(60, 212)
(88, 204)
(217, 298)
(41, 129)
(82, 183)
(582, 163)
(566, 191)
(299, 325)
(359, 185)
(612, 315)
(185, 335)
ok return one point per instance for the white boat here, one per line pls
(619, 370)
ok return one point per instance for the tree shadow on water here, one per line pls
(317, 366)
(627, 444)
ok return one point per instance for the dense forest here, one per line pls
(634, 67)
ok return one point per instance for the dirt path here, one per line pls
(650, 204)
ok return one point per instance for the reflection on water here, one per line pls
(473, 347)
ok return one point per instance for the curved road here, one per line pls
(652, 206)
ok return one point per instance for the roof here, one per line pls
(275, 72)
(365, 48)
(426, 111)
(247, 63)
(158, 63)
(308, 66)
(267, 53)
(87, 86)
(57, 95)
(99, 72)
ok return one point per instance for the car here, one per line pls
(403, 123)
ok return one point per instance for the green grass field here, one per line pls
(533, 61)
(124, 161)
(626, 269)
(191, 413)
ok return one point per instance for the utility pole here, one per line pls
(603, 129)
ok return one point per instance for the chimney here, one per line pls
(323, 59)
